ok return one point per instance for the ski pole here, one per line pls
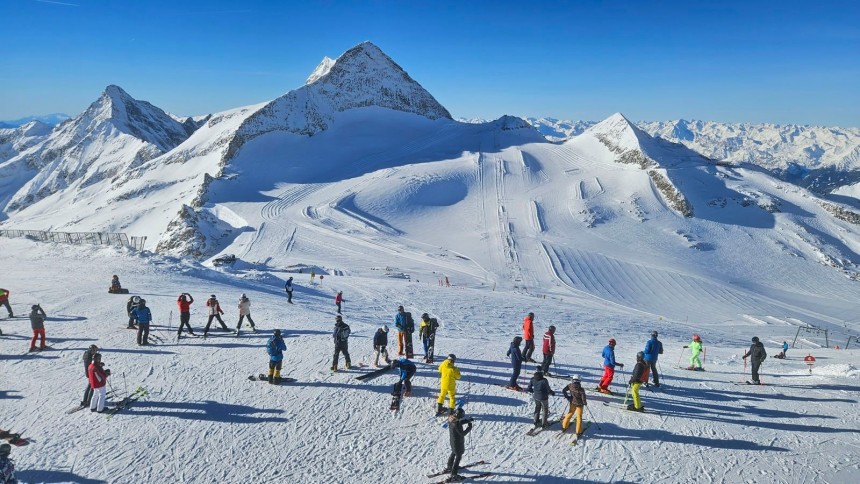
(170, 321)
(592, 417)
(626, 395)
(679, 357)
(125, 383)
(660, 367)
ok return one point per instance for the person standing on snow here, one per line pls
(653, 349)
(275, 347)
(89, 354)
(575, 394)
(449, 374)
(400, 325)
(338, 299)
(757, 355)
(540, 390)
(143, 316)
(98, 379)
(215, 312)
(608, 367)
(7, 465)
(529, 337)
(548, 349)
(184, 301)
(639, 376)
(37, 323)
(288, 286)
(458, 427)
(516, 363)
(380, 345)
(695, 348)
(407, 370)
(341, 343)
(4, 301)
(784, 348)
(427, 332)
(129, 306)
(245, 312)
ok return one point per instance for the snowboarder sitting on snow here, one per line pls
(338, 299)
(516, 363)
(427, 332)
(129, 306)
(380, 345)
(245, 312)
(341, 342)
(115, 286)
(540, 390)
(548, 349)
(215, 312)
(98, 379)
(4, 301)
(757, 355)
(407, 370)
(575, 394)
(695, 348)
(143, 316)
(608, 367)
(275, 347)
(89, 354)
(37, 322)
(7, 466)
(447, 384)
(653, 349)
(639, 376)
(458, 427)
(288, 286)
(184, 301)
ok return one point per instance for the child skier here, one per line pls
(575, 394)
(639, 376)
(288, 286)
(380, 345)
(695, 348)
(37, 323)
(275, 347)
(608, 367)
(4, 301)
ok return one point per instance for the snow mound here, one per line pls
(837, 370)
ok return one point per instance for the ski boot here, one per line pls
(455, 478)
(348, 365)
(440, 410)
(271, 378)
(333, 368)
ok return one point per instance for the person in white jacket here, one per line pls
(245, 311)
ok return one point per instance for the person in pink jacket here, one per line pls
(215, 312)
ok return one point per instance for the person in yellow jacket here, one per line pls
(447, 384)
(696, 348)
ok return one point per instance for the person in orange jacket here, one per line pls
(529, 337)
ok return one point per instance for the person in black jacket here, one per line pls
(129, 307)
(88, 358)
(540, 390)
(757, 354)
(380, 345)
(516, 362)
(458, 427)
(341, 342)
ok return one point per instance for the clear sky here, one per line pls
(759, 61)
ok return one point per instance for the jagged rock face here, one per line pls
(14, 141)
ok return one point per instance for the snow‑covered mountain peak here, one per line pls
(622, 133)
(321, 70)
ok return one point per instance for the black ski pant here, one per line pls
(541, 407)
(341, 347)
(338, 308)
(654, 374)
(8, 307)
(454, 460)
(755, 366)
(211, 317)
(547, 360)
(184, 319)
(406, 381)
(88, 395)
(143, 334)
(289, 296)
(516, 375)
(528, 350)
(131, 319)
(242, 318)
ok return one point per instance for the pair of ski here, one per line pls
(12, 438)
(265, 378)
(38, 350)
(691, 369)
(540, 428)
(109, 394)
(126, 402)
(579, 438)
(474, 476)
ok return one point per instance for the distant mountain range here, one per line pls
(49, 119)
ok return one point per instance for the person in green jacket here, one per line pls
(695, 348)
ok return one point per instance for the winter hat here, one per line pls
(244, 296)
(212, 296)
(35, 307)
(452, 357)
(574, 379)
(400, 308)
(518, 340)
(531, 315)
(338, 318)
(653, 334)
(697, 337)
(755, 339)
(5, 450)
(538, 374)
(552, 328)
(277, 332)
(425, 316)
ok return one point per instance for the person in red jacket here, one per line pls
(214, 312)
(338, 300)
(548, 349)
(98, 379)
(184, 302)
(529, 337)
(4, 301)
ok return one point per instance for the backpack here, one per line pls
(410, 324)
(343, 333)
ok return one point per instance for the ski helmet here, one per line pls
(244, 296)
(277, 332)
(135, 299)
(552, 329)
(400, 308)
(538, 374)
(35, 307)
(5, 450)
(531, 315)
(640, 356)
(574, 379)
(425, 317)
(612, 341)
(653, 334)
(94, 348)
(518, 340)
(755, 339)
(452, 357)
(212, 297)
(142, 302)
(338, 318)
(384, 328)
(696, 338)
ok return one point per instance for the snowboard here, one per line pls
(265, 378)
(372, 374)
(396, 397)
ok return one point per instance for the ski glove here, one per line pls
(620, 364)
(686, 347)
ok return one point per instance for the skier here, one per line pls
(447, 384)
(380, 345)
(548, 348)
(288, 286)
(7, 465)
(695, 348)
(458, 427)
(653, 349)
(639, 376)
(275, 347)
(37, 322)
(129, 306)
(245, 312)
(516, 363)
(4, 301)
(427, 331)
(529, 337)
(341, 342)
(608, 367)
(757, 355)
(143, 316)
(400, 325)
(98, 379)
(184, 301)
(215, 312)
(407, 370)
(88, 359)
(575, 394)
(540, 390)
(338, 299)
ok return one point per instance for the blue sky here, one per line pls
(779, 62)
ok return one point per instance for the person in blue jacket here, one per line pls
(407, 370)
(653, 349)
(516, 362)
(275, 347)
(609, 364)
(143, 316)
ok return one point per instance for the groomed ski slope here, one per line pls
(203, 421)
